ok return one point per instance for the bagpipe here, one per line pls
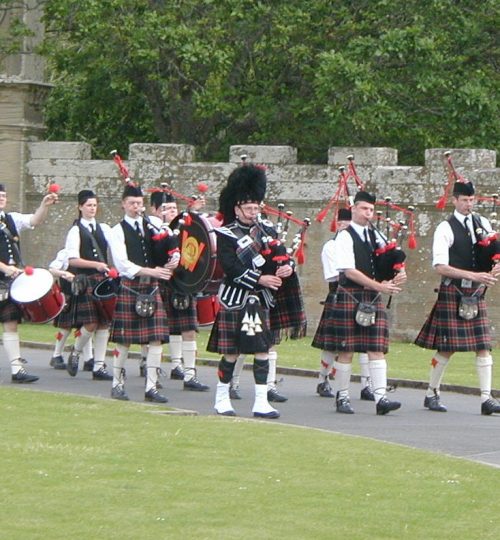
(487, 246)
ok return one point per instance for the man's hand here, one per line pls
(284, 271)
(269, 281)
(50, 199)
(102, 267)
(12, 271)
(400, 278)
(389, 287)
(485, 278)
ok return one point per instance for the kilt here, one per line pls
(83, 308)
(288, 317)
(445, 331)
(338, 331)
(179, 320)
(224, 338)
(129, 328)
(10, 311)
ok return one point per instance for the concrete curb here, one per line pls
(404, 383)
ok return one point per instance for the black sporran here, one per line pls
(468, 308)
(180, 301)
(366, 314)
(79, 284)
(145, 304)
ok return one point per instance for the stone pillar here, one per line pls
(22, 95)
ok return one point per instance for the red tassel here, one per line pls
(59, 336)
(441, 204)
(219, 216)
(333, 225)
(412, 242)
(322, 215)
(188, 220)
(301, 258)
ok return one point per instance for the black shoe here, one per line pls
(490, 406)
(118, 392)
(433, 403)
(234, 392)
(73, 360)
(274, 395)
(88, 365)
(367, 394)
(270, 415)
(384, 406)
(57, 362)
(325, 390)
(101, 375)
(153, 395)
(23, 377)
(142, 367)
(177, 373)
(195, 385)
(344, 405)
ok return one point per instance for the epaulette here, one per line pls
(226, 231)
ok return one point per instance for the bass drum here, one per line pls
(38, 296)
(198, 269)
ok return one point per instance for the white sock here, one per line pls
(271, 375)
(61, 337)
(326, 364)
(438, 366)
(153, 365)
(13, 350)
(364, 369)
(342, 378)
(238, 368)
(175, 347)
(484, 366)
(100, 345)
(378, 374)
(144, 351)
(82, 339)
(119, 358)
(87, 352)
(189, 357)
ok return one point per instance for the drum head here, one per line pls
(28, 288)
(198, 254)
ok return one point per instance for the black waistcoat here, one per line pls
(461, 252)
(139, 249)
(88, 250)
(363, 256)
(8, 251)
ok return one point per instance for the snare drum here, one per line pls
(207, 308)
(38, 296)
(198, 269)
(106, 297)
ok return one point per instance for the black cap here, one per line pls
(161, 197)
(364, 196)
(131, 190)
(85, 195)
(463, 188)
(344, 214)
(2, 188)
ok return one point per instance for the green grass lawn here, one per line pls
(83, 468)
(406, 361)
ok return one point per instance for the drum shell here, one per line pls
(207, 307)
(38, 296)
(105, 294)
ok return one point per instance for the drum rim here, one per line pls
(36, 276)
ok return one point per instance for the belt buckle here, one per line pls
(467, 283)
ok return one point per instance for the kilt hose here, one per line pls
(224, 338)
(445, 331)
(10, 311)
(129, 328)
(83, 308)
(338, 331)
(288, 317)
(179, 320)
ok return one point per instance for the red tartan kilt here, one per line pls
(179, 321)
(445, 331)
(288, 315)
(338, 331)
(9, 311)
(83, 308)
(224, 337)
(128, 327)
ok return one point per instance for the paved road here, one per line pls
(462, 431)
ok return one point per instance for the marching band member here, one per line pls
(11, 224)
(86, 246)
(320, 340)
(452, 325)
(358, 320)
(139, 316)
(247, 291)
(182, 323)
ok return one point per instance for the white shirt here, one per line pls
(344, 247)
(61, 261)
(330, 272)
(444, 238)
(118, 248)
(21, 221)
(73, 237)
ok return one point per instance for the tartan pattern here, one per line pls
(224, 338)
(288, 317)
(127, 327)
(178, 320)
(338, 331)
(82, 308)
(445, 331)
(9, 311)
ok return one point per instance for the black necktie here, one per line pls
(2, 218)
(367, 239)
(91, 227)
(137, 228)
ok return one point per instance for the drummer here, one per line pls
(11, 224)
(87, 250)
(182, 323)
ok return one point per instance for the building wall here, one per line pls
(304, 189)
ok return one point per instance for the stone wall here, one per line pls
(303, 188)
